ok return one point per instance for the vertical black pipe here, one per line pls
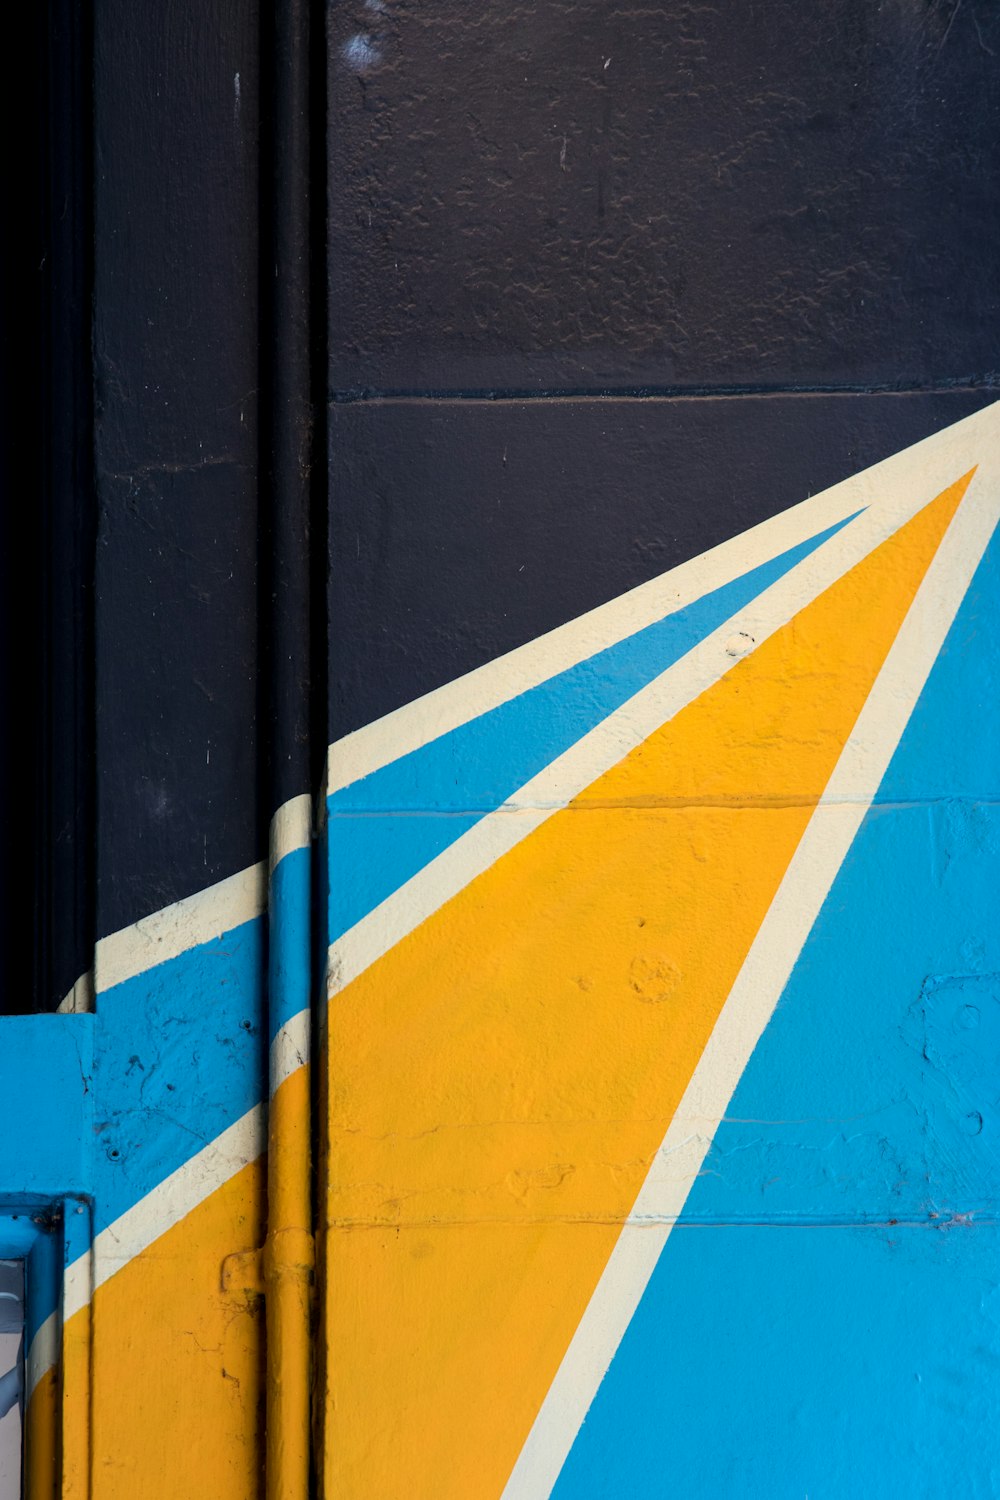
(287, 366)
(287, 382)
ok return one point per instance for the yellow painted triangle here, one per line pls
(189, 1354)
(501, 1080)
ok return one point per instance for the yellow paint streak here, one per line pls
(499, 1082)
(41, 1440)
(177, 1372)
(288, 1274)
(76, 1351)
(289, 1146)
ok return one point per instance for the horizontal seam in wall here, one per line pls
(655, 804)
(942, 1221)
(968, 384)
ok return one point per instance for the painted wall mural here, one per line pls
(529, 1026)
(658, 1059)
(662, 1018)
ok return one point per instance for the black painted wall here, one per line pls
(596, 285)
(177, 376)
(610, 282)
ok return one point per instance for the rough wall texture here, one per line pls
(585, 195)
(650, 922)
(662, 979)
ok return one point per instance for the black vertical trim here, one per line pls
(68, 673)
(22, 142)
(48, 515)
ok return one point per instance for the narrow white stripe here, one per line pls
(174, 929)
(291, 828)
(80, 999)
(76, 1292)
(604, 746)
(290, 1049)
(751, 1002)
(928, 467)
(169, 1202)
(42, 1353)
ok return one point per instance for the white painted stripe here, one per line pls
(927, 467)
(290, 1049)
(205, 915)
(43, 1353)
(164, 935)
(45, 1346)
(174, 929)
(291, 828)
(80, 999)
(140, 1226)
(166, 1205)
(758, 987)
(611, 740)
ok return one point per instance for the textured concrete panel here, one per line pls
(586, 195)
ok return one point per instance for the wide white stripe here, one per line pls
(43, 1353)
(143, 1224)
(172, 930)
(928, 467)
(290, 1049)
(758, 987)
(291, 828)
(80, 999)
(164, 935)
(604, 746)
(198, 918)
(136, 1229)
(169, 1202)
